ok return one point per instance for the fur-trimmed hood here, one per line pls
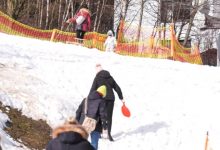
(68, 128)
(69, 137)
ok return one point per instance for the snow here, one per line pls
(172, 104)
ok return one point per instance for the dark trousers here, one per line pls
(80, 34)
(109, 110)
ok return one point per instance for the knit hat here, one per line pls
(98, 67)
(110, 33)
(102, 90)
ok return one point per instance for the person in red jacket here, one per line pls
(82, 20)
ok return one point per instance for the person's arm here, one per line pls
(106, 41)
(118, 90)
(73, 19)
(80, 110)
(89, 22)
(94, 86)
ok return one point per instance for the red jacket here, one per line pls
(86, 25)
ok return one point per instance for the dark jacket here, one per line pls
(95, 109)
(104, 78)
(69, 137)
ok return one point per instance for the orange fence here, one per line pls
(153, 46)
(10, 26)
(157, 46)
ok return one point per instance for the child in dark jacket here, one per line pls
(69, 136)
(95, 110)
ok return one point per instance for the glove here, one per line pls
(68, 21)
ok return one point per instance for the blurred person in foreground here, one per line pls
(69, 136)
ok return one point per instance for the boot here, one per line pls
(110, 137)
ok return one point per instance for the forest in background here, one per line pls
(106, 15)
(50, 14)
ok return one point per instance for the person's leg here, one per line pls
(110, 107)
(78, 34)
(82, 34)
(95, 136)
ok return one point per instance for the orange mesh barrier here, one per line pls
(154, 46)
(10, 26)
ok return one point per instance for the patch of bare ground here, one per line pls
(34, 134)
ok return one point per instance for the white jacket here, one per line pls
(110, 44)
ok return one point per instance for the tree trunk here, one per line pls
(59, 15)
(100, 14)
(140, 20)
(47, 14)
(96, 16)
(180, 30)
(192, 16)
(66, 13)
(10, 8)
(41, 13)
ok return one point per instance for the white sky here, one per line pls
(172, 104)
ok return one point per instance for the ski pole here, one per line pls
(206, 141)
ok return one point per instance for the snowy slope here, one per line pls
(173, 104)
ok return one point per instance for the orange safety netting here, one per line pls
(10, 26)
(154, 46)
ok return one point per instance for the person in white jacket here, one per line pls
(110, 42)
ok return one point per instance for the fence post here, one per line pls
(172, 39)
(53, 35)
(120, 32)
(206, 141)
(218, 50)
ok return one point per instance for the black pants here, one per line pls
(109, 104)
(80, 34)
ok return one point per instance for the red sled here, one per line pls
(125, 111)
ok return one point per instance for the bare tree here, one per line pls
(66, 12)
(141, 19)
(101, 13)
(47, 14)
(15, 7)
(192, 16)
(96, 17)
(41, 13)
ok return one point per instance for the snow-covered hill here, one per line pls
(172, 104)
